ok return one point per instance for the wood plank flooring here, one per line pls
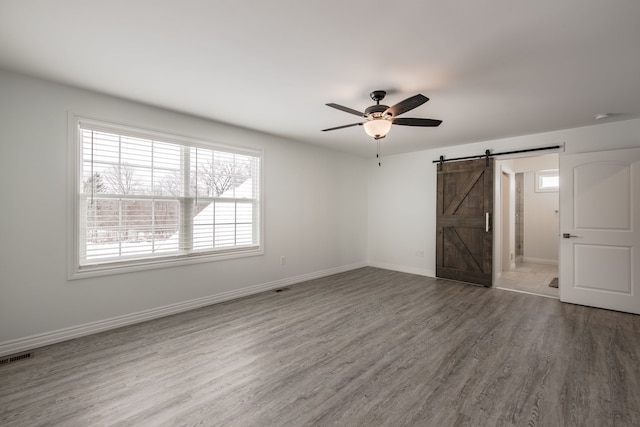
(368, 347)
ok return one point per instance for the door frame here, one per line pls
(497, 208)
(498, 249)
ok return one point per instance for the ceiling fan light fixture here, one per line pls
(379, 118)
(377, 128)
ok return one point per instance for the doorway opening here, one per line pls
(528, 225)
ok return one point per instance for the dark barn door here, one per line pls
(464, 221)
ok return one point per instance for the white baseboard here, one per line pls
(403, 269)
(540, 260)
(47, 338)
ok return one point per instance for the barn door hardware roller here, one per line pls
(487, 154)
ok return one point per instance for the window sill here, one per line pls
(107, 269)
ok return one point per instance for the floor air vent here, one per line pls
(15, 357)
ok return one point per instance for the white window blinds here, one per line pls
(142, 196)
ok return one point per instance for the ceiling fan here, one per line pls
(381, 117)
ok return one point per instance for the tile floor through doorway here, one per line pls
(530, 277)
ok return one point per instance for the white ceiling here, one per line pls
(492, 68)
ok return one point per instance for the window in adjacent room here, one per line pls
(144, 199)
(547, 180)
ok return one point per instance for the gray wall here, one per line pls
(541, 223)
(402, 193)
(326, 211)
(541, 216)
(315, 215)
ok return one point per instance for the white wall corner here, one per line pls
(403, 269)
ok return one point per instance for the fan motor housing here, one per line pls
(379, 109)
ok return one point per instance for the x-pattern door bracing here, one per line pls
(464, 215)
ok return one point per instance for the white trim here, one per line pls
(166, 136)
(73, 169)
(76, 271)
(540, 260)
(497, 265)
(164, 262)
(52, 337)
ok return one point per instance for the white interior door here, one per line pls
(599, 221)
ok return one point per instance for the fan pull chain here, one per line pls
(378, 153)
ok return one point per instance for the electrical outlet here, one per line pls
(283, 260)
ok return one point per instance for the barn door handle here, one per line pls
(486, 222)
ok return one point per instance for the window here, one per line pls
(547, 180)
(145, 199)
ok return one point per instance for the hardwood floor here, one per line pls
(367, 347)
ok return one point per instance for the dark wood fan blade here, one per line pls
(407, 121)
(406, 105)
(346, 109)
(342, 127)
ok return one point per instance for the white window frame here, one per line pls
(78, 271)
(541, 175)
